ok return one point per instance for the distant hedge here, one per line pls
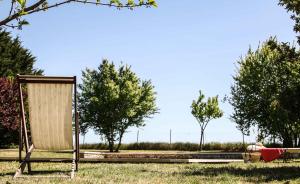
(179, 146)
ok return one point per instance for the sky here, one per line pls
(181, 46)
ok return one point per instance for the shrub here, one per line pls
(9, 112)
(178, 146)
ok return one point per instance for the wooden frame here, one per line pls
(23, 136)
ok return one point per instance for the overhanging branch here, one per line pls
(36, 7)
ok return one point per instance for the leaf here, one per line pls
(152, 3)
(141, 2)
(22, 3)
(130, 2)
(23, 22)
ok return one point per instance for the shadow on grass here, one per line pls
(39, 173)
(251, 174)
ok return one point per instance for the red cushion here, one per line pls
(270, 154)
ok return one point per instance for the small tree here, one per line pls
(204, 112)
(113, 100)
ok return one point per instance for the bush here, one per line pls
(9, 113)
(178, 146)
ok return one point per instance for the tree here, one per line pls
(266, 92)
(9, 112)
(20, 8)
(112, 100)
(204, 112)
(294, 7)
(14, 58)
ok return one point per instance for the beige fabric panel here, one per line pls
(50, 115)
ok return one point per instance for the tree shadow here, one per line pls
(251, 174)
(38, 173)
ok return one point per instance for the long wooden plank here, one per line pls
(44, 79)
(132, 160)
(23, 127)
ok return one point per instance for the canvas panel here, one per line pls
(50, 115)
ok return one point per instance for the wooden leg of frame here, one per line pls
(76, 161)
(29, 166)
(73, 165)
(20, 170)
(73, 169)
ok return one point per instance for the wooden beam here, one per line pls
(23, 122)
(76, 124)
(45, 79)
(19, 172)
(20, 122)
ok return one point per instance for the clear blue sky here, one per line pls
(182, 46)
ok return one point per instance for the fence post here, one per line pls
(170, 138)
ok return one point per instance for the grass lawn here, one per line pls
(276, 172)
(160, 173)
(48, 154)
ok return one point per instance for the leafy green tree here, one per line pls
(20, 8)
(204, 112)
(112, 100)
(14, 58)
(294, 7)
(266, 92)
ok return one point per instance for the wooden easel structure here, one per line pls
(50, 115)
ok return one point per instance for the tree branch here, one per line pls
(11, 7)
(36, 8)
(18, 14)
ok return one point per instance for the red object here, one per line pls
(270, 154)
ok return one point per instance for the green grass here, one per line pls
(49, 154)
(35, 154)
(160, 173)
(276, 172)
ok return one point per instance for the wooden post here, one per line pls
(170, 138)
(76, 123)
(23, 125)
(20, 124)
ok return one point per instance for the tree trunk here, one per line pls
(83, 139)
(201, 140)
(120, 141)
(244, 146)
(111, 145)
(287, 142)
